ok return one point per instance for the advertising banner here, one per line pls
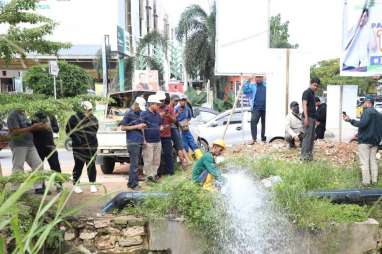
(146, 80)
(362, 38)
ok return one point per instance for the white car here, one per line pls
(238, 132)
(378, 106)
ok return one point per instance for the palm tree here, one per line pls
(197, 29)
(156, 44)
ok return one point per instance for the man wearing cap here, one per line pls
(82, 128)
(368, 140)
(257, 94)
(133, 124)
(205, 170)
(183, 116)
(309, 119)
(321, 119)
(152, 147)
(293, 125)
(21, 143)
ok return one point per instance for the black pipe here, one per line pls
(349, 196)
(129, 198)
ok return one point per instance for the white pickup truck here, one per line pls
(112, 145)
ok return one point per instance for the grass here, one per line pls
(299, 178)
(200, 209)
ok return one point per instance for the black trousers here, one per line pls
(46, 152)
(84, 156)
(320, 131)
(256, 115)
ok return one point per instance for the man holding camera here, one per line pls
(368, 140)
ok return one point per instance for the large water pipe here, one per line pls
(129, 198)
(349, 196)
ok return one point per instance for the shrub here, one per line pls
(75, 80)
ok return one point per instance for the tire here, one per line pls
(107, 165)
(68, 144)
(203, 145)
(277, 140)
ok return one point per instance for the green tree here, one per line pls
(198, 30)
(73, 79)
(27, 30)
(328, 71)
(279, 33)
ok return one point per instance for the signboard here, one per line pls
(362, 38)
(146, 80)
(242, 37)
(53, 68)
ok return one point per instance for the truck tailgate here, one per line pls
(112, 140)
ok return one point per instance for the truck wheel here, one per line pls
(107, 165)
(68, 144)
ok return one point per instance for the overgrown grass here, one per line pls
(298, 179)
(202, 210)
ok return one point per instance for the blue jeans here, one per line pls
(176, 138)
(134, 150)
(188, 141)
(167, 161)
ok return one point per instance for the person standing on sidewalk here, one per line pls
(133, 124)
(152, 147)
(21, 143)
(43, 139)
(368, 140)
(82, 128)
(309, 119)
(257, 94)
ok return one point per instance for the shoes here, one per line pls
(135, 187)
(77, 189)
(151, 179)
(93, 188)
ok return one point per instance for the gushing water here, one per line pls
(254, 225)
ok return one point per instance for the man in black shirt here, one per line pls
(309, 116)
(321, 119)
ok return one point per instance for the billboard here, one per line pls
(146, 80)
(362, 38)
(242, 37)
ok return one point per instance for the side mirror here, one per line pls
(214, 124)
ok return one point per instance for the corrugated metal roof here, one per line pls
(80, 50)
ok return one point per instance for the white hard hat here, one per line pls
(141, 102)
(161, 95)
(153, 99)
(87, 105)
(182, 97)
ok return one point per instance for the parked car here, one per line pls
(3, 133)
(238, 132)
(202, 115)
(378, 106)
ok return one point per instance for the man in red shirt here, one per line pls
(168, 118)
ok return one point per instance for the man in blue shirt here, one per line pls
(133, 124)
(183, 116)
(257, 94)
(152, 147)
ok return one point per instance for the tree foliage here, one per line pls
(26, 30)
(328, 71)
(198, 30)
(74, 80)
(279, 33)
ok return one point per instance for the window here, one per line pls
(236, 119)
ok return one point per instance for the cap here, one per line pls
(153, 99)
(182, 97)
(86, 105)
(141, 102)
(369, 98)
(161, 95)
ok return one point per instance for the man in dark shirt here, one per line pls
(258, 94)
(43, 139)
(82, 128)
(309, 116)
(133, 124)
(321, 119)
(152, 147)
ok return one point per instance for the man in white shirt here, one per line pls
(294, 128)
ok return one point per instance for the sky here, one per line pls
(314, 24)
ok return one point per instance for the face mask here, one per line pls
(296, 110)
